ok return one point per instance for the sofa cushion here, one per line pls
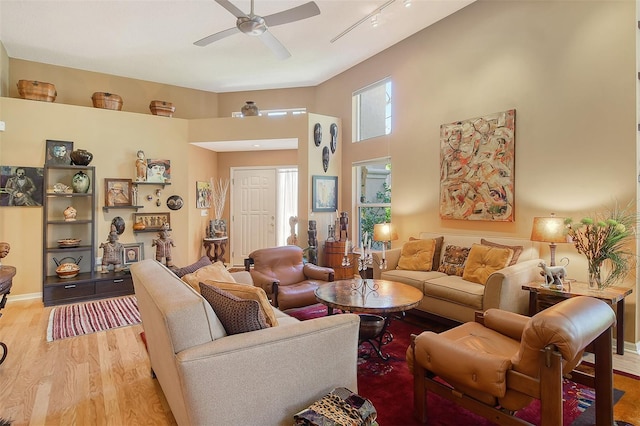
(413, 278)
(215, 271)
(417, 255)
(237, 315)
(517, 250)
(437, 252)
(249, 292)
(453, 260)
(484, 261)
(201, 263)
(453, 288)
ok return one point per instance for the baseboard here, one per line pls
(27, 296)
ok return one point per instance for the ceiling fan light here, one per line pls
(406, 3)
(252, 26)
(374, 21)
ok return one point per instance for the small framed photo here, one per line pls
(132, 253)
(58, 153)
(152, 221)
(203, 195)
(117, 192)
(324, 193)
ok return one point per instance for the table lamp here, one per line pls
(549, 229)
(384, 232)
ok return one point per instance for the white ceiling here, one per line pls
(153, 39)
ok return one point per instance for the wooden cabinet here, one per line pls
(333, 255)
(88, 284)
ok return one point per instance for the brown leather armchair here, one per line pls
(499, 365)
(288, 282)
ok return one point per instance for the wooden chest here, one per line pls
(107, 101)
(163, 108)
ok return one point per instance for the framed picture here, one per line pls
(21, 186)
(203, 195)
(477, 158)
(158, 170)
(132, 253)
(58, 153)
(324, 193)
(117, 192)
(152, 221)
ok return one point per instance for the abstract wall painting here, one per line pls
(477, 159)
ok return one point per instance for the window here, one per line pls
(275, 112)
(372, 111)
(373, 180)
(287, 203)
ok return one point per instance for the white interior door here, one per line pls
(253, 214)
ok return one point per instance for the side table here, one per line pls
(219, 245)
(543, 297)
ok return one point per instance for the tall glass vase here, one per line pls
(595, 277)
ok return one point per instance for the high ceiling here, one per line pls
(153, 40)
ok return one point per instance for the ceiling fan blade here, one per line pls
(217, 36)
(231, 8)
(274, 44)
(297, 13)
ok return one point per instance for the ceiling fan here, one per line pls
(255, 25)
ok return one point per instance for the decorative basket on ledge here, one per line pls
(37, 90)
(163, 108)
(107, 101)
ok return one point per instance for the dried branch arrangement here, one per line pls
(219, 190)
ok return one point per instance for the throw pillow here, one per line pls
(236, 315)
(484, 261)
(201, 263)
(215, 271)
(417, 255)
(517, 250)
(453, 260)
(437, 253)
(249, 292)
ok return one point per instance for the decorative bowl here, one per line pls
(67, 270)
(370, 326)
(69, 242)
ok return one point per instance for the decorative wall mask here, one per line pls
(317, 134)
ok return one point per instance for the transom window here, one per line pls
(372, 111)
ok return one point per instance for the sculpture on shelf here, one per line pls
(313, 242)
(111, 251)
(70, 214)
(141, 167)
(344, 226)
(4, 250)
(163, 246)
(292, 239)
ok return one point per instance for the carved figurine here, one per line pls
(292, 239)
(141, 167)
(4, 250)
(163, 246)
(111, 252)
(70, 214)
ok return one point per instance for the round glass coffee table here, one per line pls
(370, 298)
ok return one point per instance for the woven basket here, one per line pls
(37, 90)
(107, 101)
(163, 108)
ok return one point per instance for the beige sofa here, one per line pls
(259, 377)
(453, 298)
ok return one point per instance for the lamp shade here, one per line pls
(384, 232)
(549, 229)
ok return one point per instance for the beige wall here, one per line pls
(568, 68)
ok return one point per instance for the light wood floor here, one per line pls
(98, 379)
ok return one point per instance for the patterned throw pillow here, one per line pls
(417, 255)
(236, 315)
(248, 291)
(453, 260)
(517, 250)
(484, 261)
(215, 271)
(181, 272)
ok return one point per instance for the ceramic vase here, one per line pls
(80, 182)
(250, 109)
(81, 157)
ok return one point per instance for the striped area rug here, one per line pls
(85, 318)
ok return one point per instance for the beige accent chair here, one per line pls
(499, 365)
(210, 378)
(287, 280)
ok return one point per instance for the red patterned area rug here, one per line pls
(389, 385)
(85, 318)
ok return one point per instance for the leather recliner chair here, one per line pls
(498, 365)
(287, 280)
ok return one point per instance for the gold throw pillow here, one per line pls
(216, 271)
(483, 261)
(417, 255)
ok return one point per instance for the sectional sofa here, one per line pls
(453, 292)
